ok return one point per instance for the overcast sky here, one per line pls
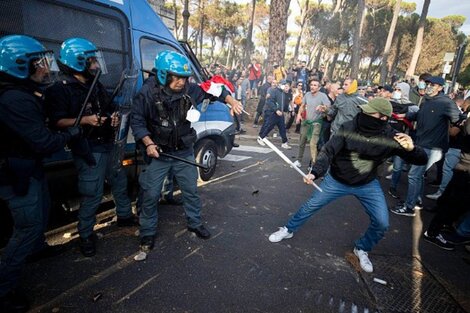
(441, 8)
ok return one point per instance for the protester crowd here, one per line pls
(317, 107)
(351, 130)
(436, 122)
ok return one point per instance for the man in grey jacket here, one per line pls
(345, 107)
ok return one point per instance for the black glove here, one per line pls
(75, 131)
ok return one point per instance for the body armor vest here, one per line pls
(170, 129)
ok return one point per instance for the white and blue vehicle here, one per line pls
(128, 32)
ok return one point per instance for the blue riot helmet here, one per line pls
(173, 63)
(80, 55)
(21, 56)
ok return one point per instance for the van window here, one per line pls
(52, 22)
(149, 49)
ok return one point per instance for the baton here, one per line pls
(82, 110)
(205, 167)
(287, 160)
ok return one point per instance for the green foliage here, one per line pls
(464, 77)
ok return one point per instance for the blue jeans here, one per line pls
(151, 180)
(396, 172)
(30, 215)
(271, 119)
(91, 184)
(416, 177)
(452, 157)
(371, 197)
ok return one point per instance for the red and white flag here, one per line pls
(216, 85)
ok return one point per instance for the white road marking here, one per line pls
(235, 158)
(252, 149)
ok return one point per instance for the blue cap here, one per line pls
(437, 80)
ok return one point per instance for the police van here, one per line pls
(129, 33)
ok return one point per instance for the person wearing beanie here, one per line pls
(349, 161)
(345, 107)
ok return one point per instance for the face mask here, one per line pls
(421, 85)
(193, 115)
(369, 125)
(396, 95)
(429, 90)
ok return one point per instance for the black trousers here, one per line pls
(453, 203)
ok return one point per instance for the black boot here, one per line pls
(201, 232)
(147, 243)
(88, 246)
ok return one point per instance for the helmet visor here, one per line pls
(95, 60)
(45, 68)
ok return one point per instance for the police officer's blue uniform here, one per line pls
(24, 142)
(160, 113)
(92, 154)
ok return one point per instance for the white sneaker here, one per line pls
(363, 257)
(434, 196)
(282, 233)
(388, 177)
(297, 163)
(260, 141)
(286, 146)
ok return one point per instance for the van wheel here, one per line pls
(206, 153)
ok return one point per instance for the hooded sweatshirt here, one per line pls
(405, 93)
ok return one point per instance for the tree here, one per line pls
(356, 53)
(388, 44)
(277, 31)
(304, 14)
(249, 40)
(464, 77)
(419, 40)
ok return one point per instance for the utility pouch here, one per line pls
(189, 139)
(21, 171)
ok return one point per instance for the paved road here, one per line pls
(239, 270)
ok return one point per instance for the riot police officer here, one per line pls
(80, 61)
(25, 66)
(159, 123)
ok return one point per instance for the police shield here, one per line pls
(124, 94)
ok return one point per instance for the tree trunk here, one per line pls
(213, 48)
(369, 68)
(201, 28)
(356, 53)
(331, 69)
(388, 44)
(303, 20)
(419, 40)
(249, 38)
(394, 65)
(185, 20)
(277, 31)
(316, 64)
